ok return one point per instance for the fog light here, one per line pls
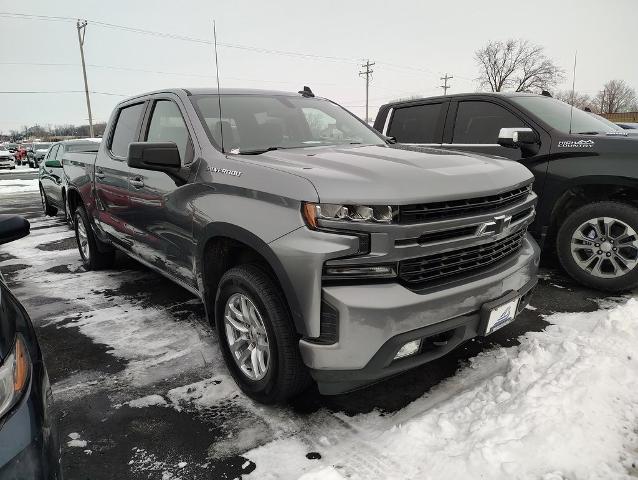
(408, 349)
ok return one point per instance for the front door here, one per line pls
(46, 179)
(112, 176)
(160, 216)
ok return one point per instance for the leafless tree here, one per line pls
(616, 96)
(517, 65)
(578, 99)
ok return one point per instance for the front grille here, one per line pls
(456, 263)
(424, 212)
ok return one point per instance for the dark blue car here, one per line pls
(29, 446)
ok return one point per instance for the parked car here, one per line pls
(37, 153)
(29, 445)
(586, 171)
(52, 183)
(6, 158)
(314, 247)
(21, 155)
(628, 126)
(12, 147)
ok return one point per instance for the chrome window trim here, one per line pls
(386, 125)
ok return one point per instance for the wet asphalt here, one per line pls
(147, 443)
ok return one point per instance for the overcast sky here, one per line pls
(412, 42)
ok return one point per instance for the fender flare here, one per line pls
(228, 230)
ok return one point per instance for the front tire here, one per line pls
(95, 255)
(256, 335)
(597, 245)
(49, 210)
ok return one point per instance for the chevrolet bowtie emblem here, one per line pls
(496, 227)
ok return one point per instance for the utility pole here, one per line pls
(367, 73)
(81, 25)
(445, 85)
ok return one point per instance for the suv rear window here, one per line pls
(416, 124)
(126, 129)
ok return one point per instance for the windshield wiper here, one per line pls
(587, 133)
(257, 151)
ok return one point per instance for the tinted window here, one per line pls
(167, 125)
(416, 124)
(126, 129)
(480, 122)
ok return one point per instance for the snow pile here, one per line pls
(561, 405)
(18, 186)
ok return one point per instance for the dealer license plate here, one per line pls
(501, 316)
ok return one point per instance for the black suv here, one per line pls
(586, 170)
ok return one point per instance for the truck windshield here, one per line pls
(253, 124)
(557, 114)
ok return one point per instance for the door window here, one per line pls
(416, 124)
(59, 153)
(52, 152)
(167, 125)
(480, 122)
(126, 129)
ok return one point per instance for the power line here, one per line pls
(10, 92)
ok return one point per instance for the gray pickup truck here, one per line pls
(319, 252)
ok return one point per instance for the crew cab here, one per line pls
(586, 171)
(318, 251)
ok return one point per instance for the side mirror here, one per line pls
(159, 156)
(517, 137)
(13, 227)
(52, 164)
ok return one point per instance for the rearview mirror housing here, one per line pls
(52, 164)
(158, 156)
(517, 137)
(13, 227)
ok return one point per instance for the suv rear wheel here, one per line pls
(95, 254)
(256, 336)
(597, 245)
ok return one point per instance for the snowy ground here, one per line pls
(143, 393)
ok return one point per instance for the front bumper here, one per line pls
(375, 320)
(7, 164)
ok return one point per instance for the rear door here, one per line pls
(160, 216)
(418, 124)
(112, 175)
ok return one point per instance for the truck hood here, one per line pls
(377, 174)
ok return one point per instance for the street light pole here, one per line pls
(81, 26)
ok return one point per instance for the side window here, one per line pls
(167, 125)
(59, 153)
(416, 124)
(52, 152)
(126, 129)
(480, 122)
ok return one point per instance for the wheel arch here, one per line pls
(585, 190)
(219, 242)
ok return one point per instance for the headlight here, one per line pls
(14, 376)
(314, 212)
(344, 272)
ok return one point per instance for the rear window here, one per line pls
(126, 129)
(416, 124)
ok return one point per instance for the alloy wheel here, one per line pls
(605, 247)
(247, 336)
(83, 239)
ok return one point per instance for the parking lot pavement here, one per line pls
(139, 382)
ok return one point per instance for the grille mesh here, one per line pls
(424, 212)
(447, 265)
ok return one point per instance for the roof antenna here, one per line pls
(571, 110)
(306, 92)
(219, 95)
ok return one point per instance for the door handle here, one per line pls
(100, 174)
(137, 182)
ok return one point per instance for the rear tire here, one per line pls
(285, 374)
(49, 210)
(597, 245)
(95, 254)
